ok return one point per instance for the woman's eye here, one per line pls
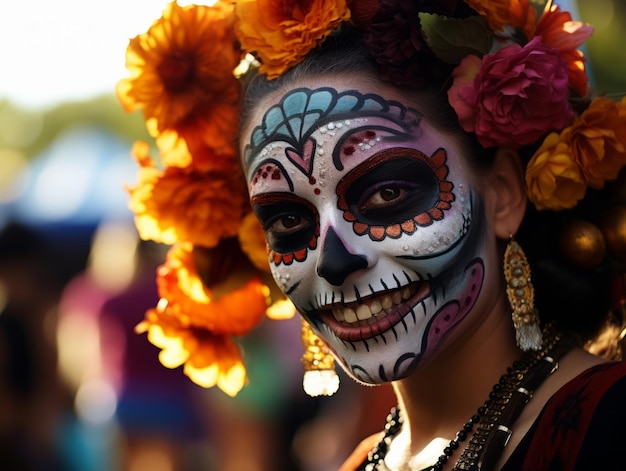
(287, 224)
(290, 222)
(391, 192)
(383, 197)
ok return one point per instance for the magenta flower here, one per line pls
(518, 95)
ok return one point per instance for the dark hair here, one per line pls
(577, 299)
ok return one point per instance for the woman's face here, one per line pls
(375, 230)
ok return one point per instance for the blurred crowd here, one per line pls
(81, 391)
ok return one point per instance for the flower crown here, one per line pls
(517, 79)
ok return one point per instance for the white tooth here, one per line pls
(376, 307)
(363, 312)
(339, 315)
(396, 297)
(349, 315)
(406, 293)
(387, 302)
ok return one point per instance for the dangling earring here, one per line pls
(320, 378)
(521, 294)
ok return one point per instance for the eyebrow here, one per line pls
(302, 111)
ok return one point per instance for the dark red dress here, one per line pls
(581, 428)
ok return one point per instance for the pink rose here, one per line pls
(462, 95)
(519, 95)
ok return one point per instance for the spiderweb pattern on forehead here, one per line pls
(302, 111)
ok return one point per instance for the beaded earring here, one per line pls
(521, 295)
(320, 377)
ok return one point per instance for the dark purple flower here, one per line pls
(394, 37)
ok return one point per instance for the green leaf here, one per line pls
(452, 39)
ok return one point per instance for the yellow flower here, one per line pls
(183, 63)
(282, 32)
(252, 241)
(553, 177)
(598, 140)
(281, 310)
(210, 359)
(217, 362)
(185, 205)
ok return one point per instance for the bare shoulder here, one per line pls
(574, 363)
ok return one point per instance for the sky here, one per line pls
(53, 51)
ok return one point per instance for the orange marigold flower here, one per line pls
(621, 106)
(206, 139)
(234, 313)
(502, 13)
(523, 17)
(253, 243)
(210, 359)
(183, 61)
(557, 30)
(177, 204)
(497, 13)
(147, 168)
(576, 71)
(553, 178)
(282, 32)
(598, 140)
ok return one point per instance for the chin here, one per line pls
(395, 341)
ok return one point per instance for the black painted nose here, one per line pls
(336, 263)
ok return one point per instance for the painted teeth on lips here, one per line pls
(372, 309)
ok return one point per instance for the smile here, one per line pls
(374, 315)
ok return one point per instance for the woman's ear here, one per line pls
(506, 194)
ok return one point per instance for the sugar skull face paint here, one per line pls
(371, 225)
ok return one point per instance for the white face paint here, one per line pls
(371, 223)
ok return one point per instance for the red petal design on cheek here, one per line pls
(408, 227)
(276, 257)
(436, 214)
(377, 232)
(300, 255)
(394, 231)
(360, 228)
(438, 160)
(446, 197)
(423, 219)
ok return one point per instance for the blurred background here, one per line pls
(79, 390)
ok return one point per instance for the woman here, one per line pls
(420, 170)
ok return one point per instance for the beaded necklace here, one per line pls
(494, 418)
